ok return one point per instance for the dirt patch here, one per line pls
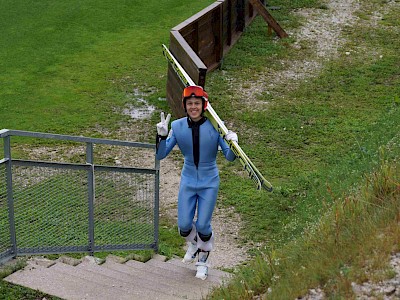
(324, 27)
(321, 34)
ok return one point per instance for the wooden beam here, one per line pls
(189, 60)
(262, 10)
(240, 16)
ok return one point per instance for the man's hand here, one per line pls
(162, 127)
(231, 136)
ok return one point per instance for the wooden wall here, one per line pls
(200, 42)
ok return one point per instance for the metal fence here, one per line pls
(49, 206)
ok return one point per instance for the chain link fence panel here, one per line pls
(123, 209)
(77, 194)
(5, 242)
(50, 209)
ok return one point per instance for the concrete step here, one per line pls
(133, 288)
(62, 285)
(116, 279)
(170, 285)
(145, 284)
(183, 275)
(216, 276)
(213, 272)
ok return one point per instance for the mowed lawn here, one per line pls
(69, 65)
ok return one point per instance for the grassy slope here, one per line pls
(319, 142)
(325, 133)
(65, 75)
(67, 65)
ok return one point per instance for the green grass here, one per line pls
(316, 143)
(351, 243)
(329, 144)
(68, 66)
(317, 139)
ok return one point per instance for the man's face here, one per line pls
(194, 107)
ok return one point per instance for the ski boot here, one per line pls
(191, 253)
(202, 265)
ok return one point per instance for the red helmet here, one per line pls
(197, 92)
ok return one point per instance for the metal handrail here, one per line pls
(10, 248)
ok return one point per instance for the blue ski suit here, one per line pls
(199, 184)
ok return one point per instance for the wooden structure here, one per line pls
(200, 42)
(262, 10)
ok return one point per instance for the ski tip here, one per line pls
(263, 186)
(269, 189)
(267, 186)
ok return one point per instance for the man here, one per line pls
(198, 141)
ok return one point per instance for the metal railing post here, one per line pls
(10, 197)
(89, 161)
(156, 203)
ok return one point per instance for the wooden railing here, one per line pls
(200, 42)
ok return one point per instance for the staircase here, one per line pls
(117, 280)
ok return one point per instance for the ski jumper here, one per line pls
(200, 176)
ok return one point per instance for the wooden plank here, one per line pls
(194, 18)
(262, 10)
(218, 31)
(228, 22)
(241, 15)
(190, 34)
(192, 64)
(210, 41)
(174, 93)
(250, 11)
(189, 60)
(207, 43)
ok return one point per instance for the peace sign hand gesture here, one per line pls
(162, 127)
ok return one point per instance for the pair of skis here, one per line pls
(249, 167)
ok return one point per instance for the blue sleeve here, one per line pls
(228, 153)
(165, 146)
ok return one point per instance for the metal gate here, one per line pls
(49, 206)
